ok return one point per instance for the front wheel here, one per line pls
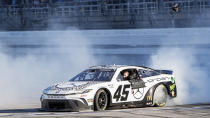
(160, 96)
(100, 101)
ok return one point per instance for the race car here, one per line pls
(102, 87)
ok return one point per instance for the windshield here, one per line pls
(94, 75)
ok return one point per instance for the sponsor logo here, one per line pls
(111, 86)
(172, 80)
(58, 91)
(172, 87)
(158, 79)
(76, 87)
(149, 103)
(84, 95)
(149, 98)
(138, 93)
(90, 100)
(55, 96)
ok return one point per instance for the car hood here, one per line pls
(69, 87)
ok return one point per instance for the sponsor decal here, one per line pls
(90, 100)
(172, 80)
(79, 87)
(172, 87)
(149, 98)
(158, 79)
(149, 103)
(111, 86)
(132, 91)
(55, 96)
(84, 95)
(58, 91)
(138, 93)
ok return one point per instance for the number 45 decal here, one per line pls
(124, 96)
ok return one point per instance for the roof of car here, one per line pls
(116, 67)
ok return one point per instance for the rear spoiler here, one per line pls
(170, 72)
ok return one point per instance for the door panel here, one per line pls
(122, 92)
(125, 93)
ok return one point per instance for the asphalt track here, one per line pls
(181, 111)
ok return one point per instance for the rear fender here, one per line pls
(171, 90)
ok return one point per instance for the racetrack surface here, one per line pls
(180, 111)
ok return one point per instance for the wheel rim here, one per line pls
(102, 100)
(160, 96)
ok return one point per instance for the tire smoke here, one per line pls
(31, 61)
(189, 63)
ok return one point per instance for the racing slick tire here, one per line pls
(160, 96)
(100, 100)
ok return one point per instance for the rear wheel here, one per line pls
(101, 100)
(160, 96)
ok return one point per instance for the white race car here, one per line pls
(100, 87)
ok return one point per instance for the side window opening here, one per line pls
(128, 74)
(120, 77)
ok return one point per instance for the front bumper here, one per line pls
(63, 105)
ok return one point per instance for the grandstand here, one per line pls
(102, 14)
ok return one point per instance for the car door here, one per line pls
(122, 90)
(127, 90)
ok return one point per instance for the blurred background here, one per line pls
(102, 14)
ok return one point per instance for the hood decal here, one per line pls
(77, 86)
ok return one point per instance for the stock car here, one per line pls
(101, 87)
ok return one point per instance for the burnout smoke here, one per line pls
(191, 79)
(31, 61)
(185, 58)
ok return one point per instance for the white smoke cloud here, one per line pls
(24, 72)
(190, 70)
(191, 79)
